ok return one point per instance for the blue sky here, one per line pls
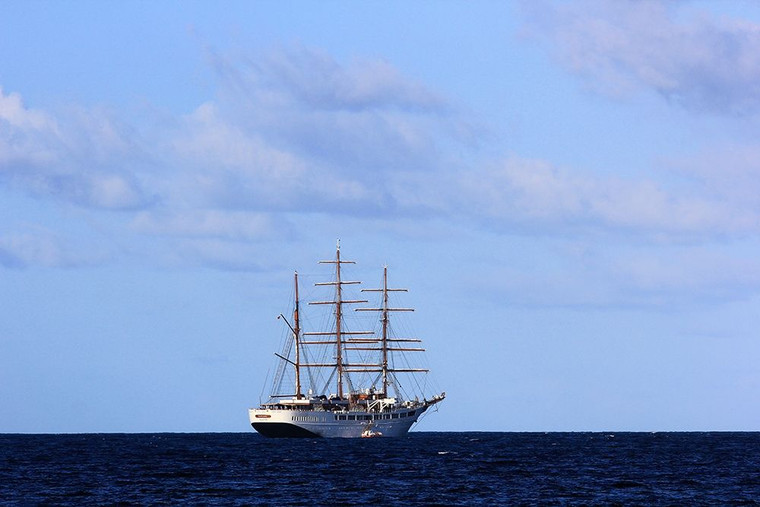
(568, 189)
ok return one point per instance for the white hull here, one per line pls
(320, 423)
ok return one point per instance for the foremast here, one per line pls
(296, 330)
(297, 338)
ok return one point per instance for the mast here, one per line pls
(384, 342)
(297, 335)
(297, 339)
(339, 332)
(385, 309)
(338, 318)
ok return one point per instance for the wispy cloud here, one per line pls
(37, 246)
(294, 130)
(221, 224)
(289, 131)
(354, 117)
(315, 79)
(82, 157)
(294, 133)
(537, 193)
(694, 58)
(616, 274)
(269, 143)
(730, 171)
(241, 152)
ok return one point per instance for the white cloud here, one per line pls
(224, 164)
(316, 80)
(604, 272)
(689, 56)
(239, 168)
(22, 133)
(112, 191)
(355, 118)
(294, 130)
(290, 131)
(37, 246)
(730, 171)
(695, 267)
(230, 225)
(519, 192)
(83, 157)
(270, 142)
(20, 250)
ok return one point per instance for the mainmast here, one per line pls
(338, 319)
(338, 302)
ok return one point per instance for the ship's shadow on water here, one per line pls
(420, 469)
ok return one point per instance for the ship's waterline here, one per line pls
(312, 424)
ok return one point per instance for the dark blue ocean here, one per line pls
(420, 469)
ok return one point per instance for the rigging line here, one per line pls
(426, 412)
(263, 387)
(329, 381)
(347, 377)
(287, 346)
(309, 371)
(394, 384)
(417, 382)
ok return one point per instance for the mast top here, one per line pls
(337, 259)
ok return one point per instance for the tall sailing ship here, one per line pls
(353, 378)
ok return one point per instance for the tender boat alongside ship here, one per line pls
(353, 377)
